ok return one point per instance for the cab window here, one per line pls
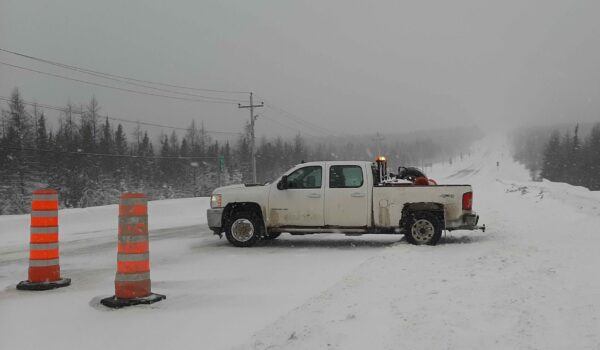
(307, 177)
(345, 176)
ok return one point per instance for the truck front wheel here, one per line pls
(244, 229)
(423, 228)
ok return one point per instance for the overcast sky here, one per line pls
(348, 66)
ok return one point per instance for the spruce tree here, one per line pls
(551, 167)
(591, 159)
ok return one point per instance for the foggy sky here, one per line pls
(349, 66)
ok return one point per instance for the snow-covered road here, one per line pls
(529, 282)
(217, 295)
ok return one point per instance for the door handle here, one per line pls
(357, 194)
(314, 195)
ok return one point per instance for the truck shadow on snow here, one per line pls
(462, 239)
(365, 242)
(320, 242)
(372, 242)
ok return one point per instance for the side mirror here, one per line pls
(283, 183)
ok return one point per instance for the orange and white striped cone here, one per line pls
(132, 281)
(44, 267)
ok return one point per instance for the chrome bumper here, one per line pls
(213, 218)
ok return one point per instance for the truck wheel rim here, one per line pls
(242, 230)
(422, 231)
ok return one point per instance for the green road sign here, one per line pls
(221, 163)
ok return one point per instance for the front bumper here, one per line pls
(213, 218)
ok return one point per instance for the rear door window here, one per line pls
(345, 176)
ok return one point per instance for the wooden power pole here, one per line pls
(251, 106)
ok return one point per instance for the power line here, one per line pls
(287, 126)
(102, 154)
(93, 72)
(118, 78)
(200, 98)
(205, 99)
(299, 121)
(302, 122)
(108, 77)
(170, 127)
(80, 112)
(41, 105)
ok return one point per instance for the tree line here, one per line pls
(91, 159)
(562, 157)
(572, 160)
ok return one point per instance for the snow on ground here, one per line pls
(530, 281)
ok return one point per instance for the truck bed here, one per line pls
(388, 201)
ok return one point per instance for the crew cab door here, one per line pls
(346, 200)
(301, 203)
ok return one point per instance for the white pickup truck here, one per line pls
(340, 197)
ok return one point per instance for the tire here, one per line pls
(423, 228)
(272, 236)
(244, 229)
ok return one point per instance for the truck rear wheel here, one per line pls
(423, 228)
(244, 229)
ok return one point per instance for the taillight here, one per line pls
(467, 201)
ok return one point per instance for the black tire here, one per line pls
(423, 228)
(247, 229)
(272, 236)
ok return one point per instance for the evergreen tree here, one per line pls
(91, 116)
(591, 159)
(552, 167)
(120, 140)
(575, 175)
(121, 162)
(19, 136)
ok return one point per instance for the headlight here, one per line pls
(215, 201)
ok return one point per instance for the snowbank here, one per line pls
(14, 229)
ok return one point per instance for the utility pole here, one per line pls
(251, 106)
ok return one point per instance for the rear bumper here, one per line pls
(468, 221)
(213, 218)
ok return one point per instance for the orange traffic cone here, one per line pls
(132, 281)
(44, 267)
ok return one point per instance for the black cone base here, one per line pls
(116, 303)
(27, 285)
